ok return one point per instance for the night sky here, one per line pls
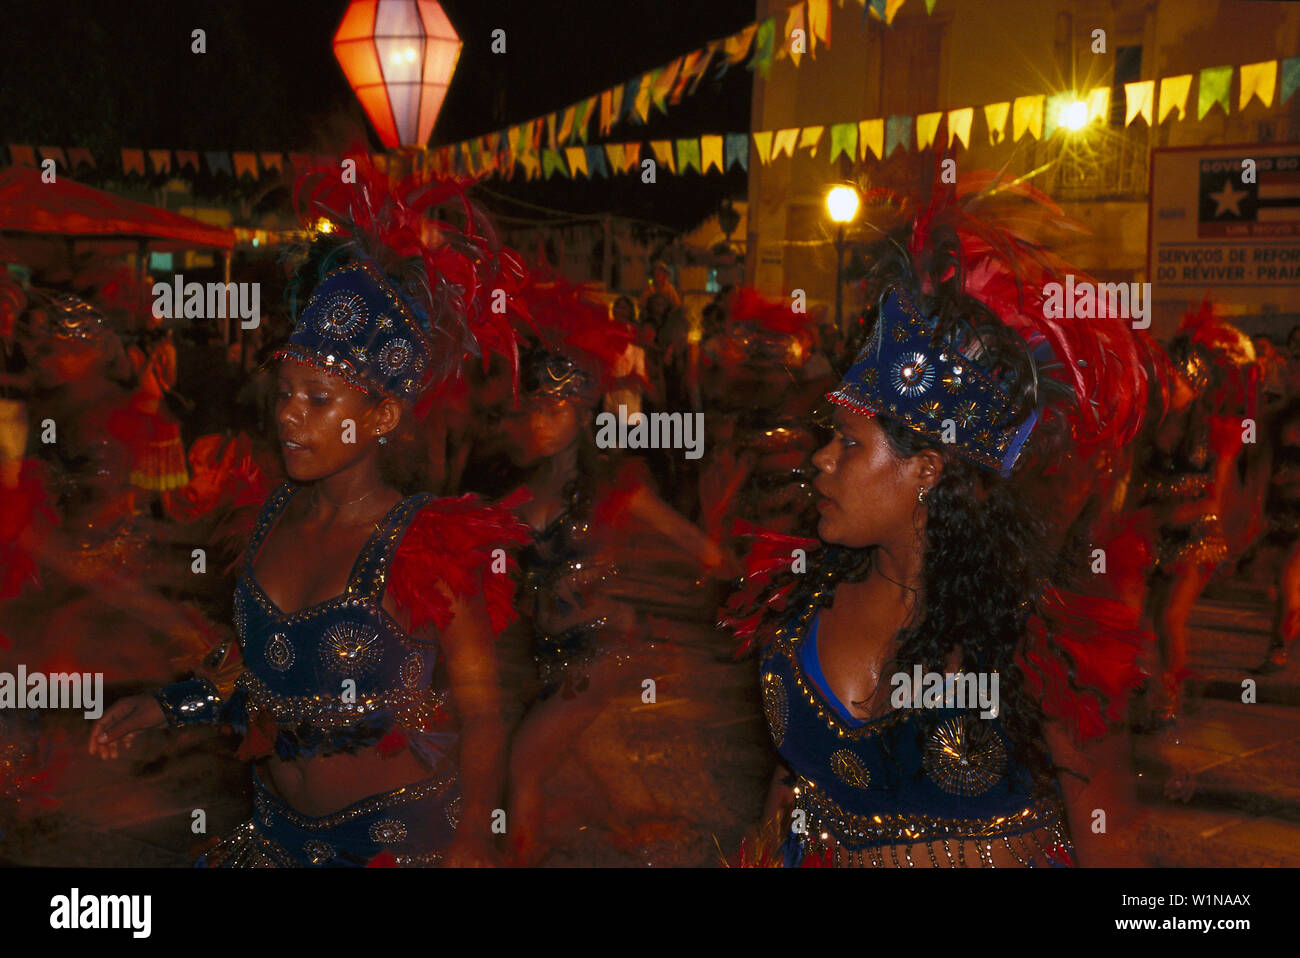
(108, 74)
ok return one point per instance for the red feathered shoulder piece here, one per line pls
(1081, 660)
(453, 541)
(753, 610)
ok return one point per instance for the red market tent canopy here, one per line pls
(73, 211)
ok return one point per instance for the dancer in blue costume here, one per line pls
(364, 616)
(936, 552)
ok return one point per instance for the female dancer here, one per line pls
(1189, 479)
(582, 511)
(158, 465)
(365, 616)
(935, 562)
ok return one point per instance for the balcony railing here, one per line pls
(1107, 164)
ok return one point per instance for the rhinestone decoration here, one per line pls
(395, 356)
(385, 323)
(848, 768)
(279, 652)
(453, 812)
(351, 649)
(341, 315)
(966, 413)
(965, 756)
(317, 851)
(912, 374)
(412, 668)
(387, 831)
(951, 383)
(776, 706)
(263, 808)
(931, 408)
(241, 618)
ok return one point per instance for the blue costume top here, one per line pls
(343, 676)
(339, 674)
(881, 786)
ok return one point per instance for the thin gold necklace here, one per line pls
(344, 505)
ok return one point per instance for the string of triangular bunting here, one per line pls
(1039, 116)
(636, 98)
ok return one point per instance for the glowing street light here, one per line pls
(1075, 116)
(842, 206)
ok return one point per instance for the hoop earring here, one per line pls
(920, 494)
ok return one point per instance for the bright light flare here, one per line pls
(1075, 116)
(842, 204)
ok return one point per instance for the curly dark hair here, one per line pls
(990, 547)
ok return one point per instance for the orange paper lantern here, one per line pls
(398, 57)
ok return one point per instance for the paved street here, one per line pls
(699, 753)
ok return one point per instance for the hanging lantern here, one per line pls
(398, 57)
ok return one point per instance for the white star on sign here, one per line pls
(1228, 198)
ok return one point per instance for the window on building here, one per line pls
(1128, 69)
(909, 68)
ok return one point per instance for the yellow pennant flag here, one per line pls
(959, 126)
(663, 150)
(763, 143)
(631, 156)
(711, 153)
(891, 9)
(1173, 96)
(550, 131)
(566, 126)
(819, 24)
(1258, 79)
(1139, 97)
(810, 137)
(615, 153)
(790, 43)
(642, 102)
(785, 142)
(995, 114)
(531, 163)
(616, 108)
(927, 125)
(1099, 104)
(577, 158)
(1028, 117)
(871, 136)
(736, 46)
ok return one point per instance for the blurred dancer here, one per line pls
(585, 505)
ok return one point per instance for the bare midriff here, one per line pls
(322, 785)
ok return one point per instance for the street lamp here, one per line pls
(842, 206)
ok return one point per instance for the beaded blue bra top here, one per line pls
(883, 782)
(339, 674)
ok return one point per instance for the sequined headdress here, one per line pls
(71, 317)
(960, 349)
(400, 300)
(575, 345)
(933, 388)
